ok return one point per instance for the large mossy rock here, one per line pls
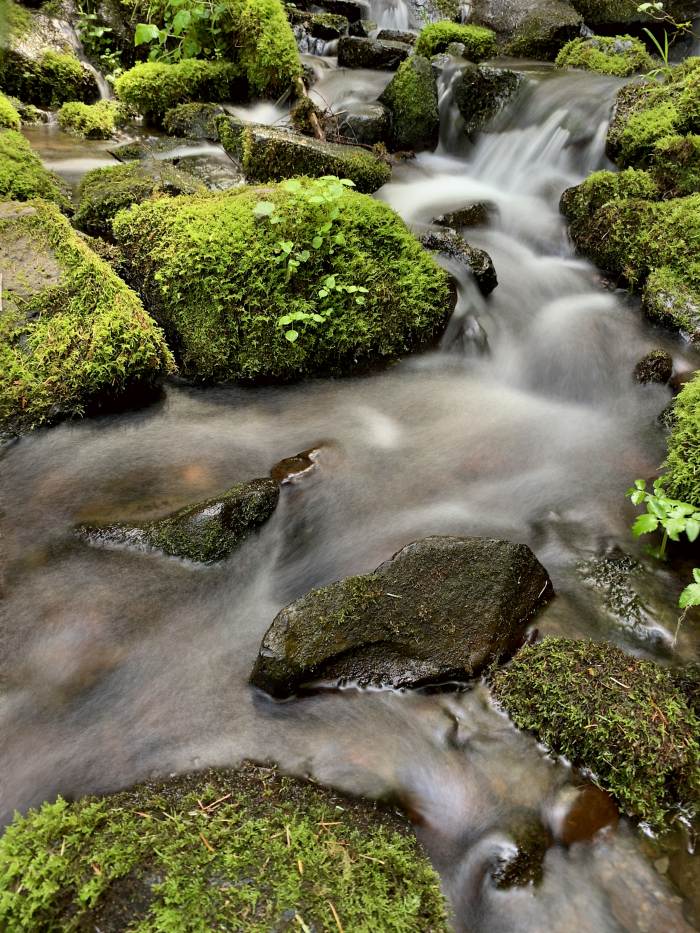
(105, 191)
(72, 335)
(613, 13)
(92, 121)
(213, 273)
(478, 42)
(230, 850)
(205, 532)
(622, 719)
(441, 609)
(481, 92)
(358, 52)
(412, 98)
(608, 55)
(193, 121)
(268, 154)
(9, 116)
(364, 124)
(536, 30)
(22, 176)
(682, 467)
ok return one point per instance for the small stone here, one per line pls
(656, 366)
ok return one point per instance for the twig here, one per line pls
(313, 119)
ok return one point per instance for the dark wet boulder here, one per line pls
(327, 26)
(357, 52)
(531, 30)
(268, 154)
(193, 121)
(205, 532)
(476, 261)
(353, 11)
(481, 92)
(621, 718)
(441, 609)
(214, 170)
(656, 366)
(412, 99)
(365, 124)
(396, 35)
(478, 214)
(612, 13)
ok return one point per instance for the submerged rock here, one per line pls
(193, 121)
(205, 532)
(442, 608)
(357, 52)
(477, 261)
(481, 93)
(656, 366)
(412, 99)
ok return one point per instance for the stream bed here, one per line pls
(525, 423)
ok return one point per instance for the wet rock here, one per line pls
(479, 214)
(613, 13)
(351, 10)
(524, 864)
(613, 55)
(356, 52)
(23, 176)
(151, 147)
(396, 35)
(579, 813)
(206, 532)
(268, 154)
(216, 173)
(292, 468)
(366, 124)
(441, 609)
(481, 92)
(656, 366)
(327, 26)
(477, 261)
(412, 98)
(671, 302)
(193, 121)
(531, 30)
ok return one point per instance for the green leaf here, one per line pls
(359, 300)
(263, 209)
(645, 524)
(318, 318)
(286, 246)
(284, 320)
(292, 184)
(692, 528)
(145, 32)
(340, 239)
(636, 495)
(323, 293)
(696, 574)
(317, 242)
(690, 596)
(674, 527)
(291, 335)
(181, 22)
(329, 281)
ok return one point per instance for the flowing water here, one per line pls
(525, 423)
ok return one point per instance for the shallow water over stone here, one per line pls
(118, 665)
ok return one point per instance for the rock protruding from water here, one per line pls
(206, 532)
(384, 55)
(365, 124)
(656, 366)
(441, 609)
(531, 28)
(481, 92)
(476, 261)
(412, 98)
(478, 214)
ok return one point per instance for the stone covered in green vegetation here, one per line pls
(618, 716)
(205, 532)
(259, 39)
(72, 335)
(152, 88)
(609, 55)
(268, 154)
(478, 42)
(326, 26)
(362, 52)
(622, 12)
(9, 118)
(412, 98)
(682, 467)
(675, 165)
(669, 300)
(92, 121)
(105, 191)
(441, 609)
(193, 121)
(222, 850)
(22, 176)
(545, 30)
(47, 81)
(215, 275)
(481, 92)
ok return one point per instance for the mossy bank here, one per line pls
(22, 176)
(231, 850)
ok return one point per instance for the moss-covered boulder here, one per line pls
(326, 26)
(675, 165)
(478, 42)
(44, 76)
(481, 92)
(256, 35)
(215, 272)
(654, 366)
(441, 609)
(92, 121)
(608, 55)
(105, 191)
(360, 52)
(621, 718)
(474, 260)
(682, 467)
(22, 176)
(205, 532)
(193, 121)
(412, 98)
(153, 88)
(669, 300)
(9, 117)
(72, 335)
(236, 850)
(268, 154)
(543, 29)
(613, 13)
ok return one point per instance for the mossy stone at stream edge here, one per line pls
(478, 42)
(193, 121)
(22, 176)
(49, 81)
(412, 98)
(205, 532)
(622, 718)
(92, 121)
(9, 117)
(543, 31)
(236, 850)
(609, 55)
(682, 467)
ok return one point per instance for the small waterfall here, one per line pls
(451, 120)
(71, 36)
(390, 14)
(310, 45)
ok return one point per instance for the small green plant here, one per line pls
(656, 12)
(187, 29)
(324, 192)
(96, 39)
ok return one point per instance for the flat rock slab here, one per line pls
(441, 609)
(357, 52)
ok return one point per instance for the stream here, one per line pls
(525, 423)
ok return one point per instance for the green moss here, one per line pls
(193, 121)
(682, 465)
(479, 42)
(55, 77)
(105, 191)
(670, 301)
(263, 45)
(22, 176)
(72, 332)
(212, 274)
(92, 121)
(9, 118)
(675, 165)
(412, 98)
(246, 850)
(543, 31)
(152, 88)
(620, 717)
(608, 55)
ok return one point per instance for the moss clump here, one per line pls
(9, 118)
(412, 98)
(223, 850)
(263, 45)
(72, 333)
(479, 42)
(48, 81)
(105, 191)
(608, 55)
(675, 165)
(620, 717)
(152, 88)
(92, 121)
(193, 121)
(670, 301)
(215, 276)
(683, 460)
(22, 176)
